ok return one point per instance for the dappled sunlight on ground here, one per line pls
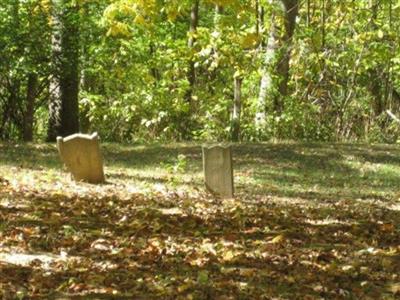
(43, 260)
(307, 222)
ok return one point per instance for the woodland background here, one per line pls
(248, 70)
(307, 87)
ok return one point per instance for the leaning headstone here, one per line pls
(218, 171)
(82, 157)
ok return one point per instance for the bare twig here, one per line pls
(393, 116)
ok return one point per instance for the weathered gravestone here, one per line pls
(81, 154)
(218, 171)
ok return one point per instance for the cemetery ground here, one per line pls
(308, 221)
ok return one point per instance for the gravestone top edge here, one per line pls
(212, 146)
(92, 136)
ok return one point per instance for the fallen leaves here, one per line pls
(109, 242)
(394, 288)
(120, 240)
(278, 239)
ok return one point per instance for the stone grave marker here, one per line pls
(218, 171)
(82, 157)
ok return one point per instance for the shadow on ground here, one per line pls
(310, 221)
(312, 171)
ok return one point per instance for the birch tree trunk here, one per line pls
(276, 58)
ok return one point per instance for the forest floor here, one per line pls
(309, 221)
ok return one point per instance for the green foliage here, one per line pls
(25, 50)
(135, 60)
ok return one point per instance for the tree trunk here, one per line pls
(376, 74)
(54, 126)
(260, 13)
(323, 25)
(84, 121)
(10, 110)
(31, 91)
(291, 12)
(70, 72)
(153, 70)
(276, 56)
(266, 83)
(86, 79)
(213, 73)
(63, 107)
(237, 107)
(191, 75)
(194, 20)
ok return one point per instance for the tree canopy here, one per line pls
(200, 69)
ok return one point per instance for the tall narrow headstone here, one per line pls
(81, 154)
(218, 171)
